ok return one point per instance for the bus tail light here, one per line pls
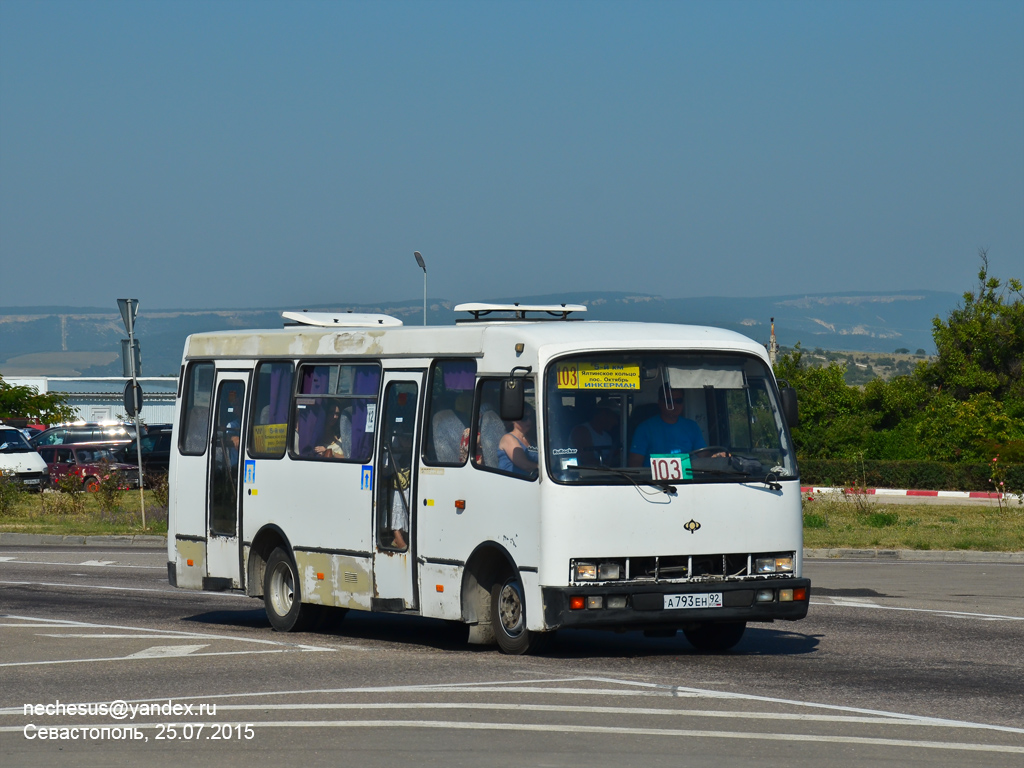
(577, 602)
(767, 595)
(616, 601)
(595, 601)
(800, 593)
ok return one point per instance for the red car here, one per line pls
(90, 463)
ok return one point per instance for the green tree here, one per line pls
(981, 344)
(967, 404)
(20, 402)
(833, 420)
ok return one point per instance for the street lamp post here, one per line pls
(423, 266)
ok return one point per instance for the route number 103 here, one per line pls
(670, 467)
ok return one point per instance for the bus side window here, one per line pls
(450, 413)
(269, 435)
(335, 412)
(490, 429)
(195, 425)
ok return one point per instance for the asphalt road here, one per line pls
(897, 664)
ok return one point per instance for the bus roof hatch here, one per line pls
(340, 320)
(556, 311)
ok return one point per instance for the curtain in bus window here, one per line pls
(309, 411)
(280, 391)
(364, 411)
(719, 376)
(459, 375)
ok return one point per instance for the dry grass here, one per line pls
(843, 522)
(83, 514)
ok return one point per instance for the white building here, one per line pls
(101, 398)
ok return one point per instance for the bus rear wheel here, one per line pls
(282, 596)
(508, 618)
(715, 636)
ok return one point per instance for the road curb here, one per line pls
(915, 555)
(58, 540)
(814, 490)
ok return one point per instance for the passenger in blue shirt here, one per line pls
(668, 432)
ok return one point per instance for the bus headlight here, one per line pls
(773, 565)
(585, 572)
(609, 571)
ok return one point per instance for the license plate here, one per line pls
(700, 600)
(31, 481)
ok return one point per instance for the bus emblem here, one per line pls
(692, 526)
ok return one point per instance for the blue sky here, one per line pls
(233, 154)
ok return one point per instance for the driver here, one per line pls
(668, 432)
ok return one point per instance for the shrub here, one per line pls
(158, 483)
(108, 491)
(11, 493)
(63, 503)
(923, 475)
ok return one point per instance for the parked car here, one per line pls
(85, 432)
(156, 452)
(19, 460)
(91, 463)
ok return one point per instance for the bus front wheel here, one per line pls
(715, 636)
(282, 596)
(508, 618)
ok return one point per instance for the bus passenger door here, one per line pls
(394, 558)
(227, 441)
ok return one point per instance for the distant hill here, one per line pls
(86, 341)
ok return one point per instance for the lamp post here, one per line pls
(423, 266)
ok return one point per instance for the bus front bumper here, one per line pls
(643, 606)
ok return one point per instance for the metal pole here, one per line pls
(138, 407)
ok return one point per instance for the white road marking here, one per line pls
(103, 635)
(107, 563)
(169, 591)
(599, 730)
(171, 632)
(6, 559)
(900, 720)
(853, 602)
(53, 662)
(166, 651)
(628, 688)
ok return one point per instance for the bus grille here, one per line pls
(683, 568)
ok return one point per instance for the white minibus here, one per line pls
(520, 471)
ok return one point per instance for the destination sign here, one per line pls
(597, 376)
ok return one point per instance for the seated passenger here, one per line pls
(329, 445)
(667, 433)
(515, 453)
(594, 440)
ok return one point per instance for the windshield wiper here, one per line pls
(633, 477)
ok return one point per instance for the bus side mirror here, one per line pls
(513, 396)
(789, 406)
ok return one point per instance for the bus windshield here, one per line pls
(660, 417)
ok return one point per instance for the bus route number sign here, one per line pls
(597, 376)
(674, 466)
